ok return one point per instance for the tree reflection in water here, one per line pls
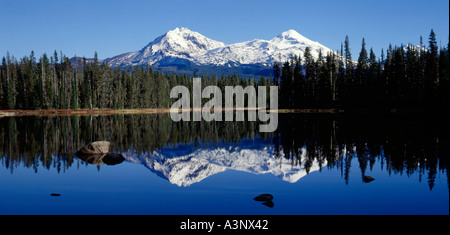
(403, 144)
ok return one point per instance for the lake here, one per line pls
(314, 164)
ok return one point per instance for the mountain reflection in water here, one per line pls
(188, 152)
(194, 163)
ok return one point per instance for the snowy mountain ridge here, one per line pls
(182, 46)
(187, 164)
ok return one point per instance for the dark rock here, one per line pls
(263, 198)
(368, 179)
(113, 159)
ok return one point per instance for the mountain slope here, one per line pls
(178, 43)
(263, 52)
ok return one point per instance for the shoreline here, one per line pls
(87, 112)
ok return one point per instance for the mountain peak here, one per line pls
(180, 31)
(291, 35)
(290, 32)
(177, 43)
(185, 40)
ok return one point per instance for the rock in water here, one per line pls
(263, 198)
(113, 159)
(368, 179)
(98, 147)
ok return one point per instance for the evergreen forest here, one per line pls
(402, 77)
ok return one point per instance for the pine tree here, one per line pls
(444, 90)
(341, 79)
(310, 77)
(299, 84)
(10, 88)
(360, 89)
(285, 86)
(348, 73)
(348, 58)
(432, 72)
(333, 70)
(373, 86)
(44, 67)
(74, 98)
(276, 73)
(2, 83)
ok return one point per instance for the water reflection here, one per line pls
(187, 164)
(401, 143)
(188, 152)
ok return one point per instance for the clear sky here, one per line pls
(113, 27)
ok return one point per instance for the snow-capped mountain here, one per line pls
(178, 43)
(188, 164)
(184, 47)
(264, 52)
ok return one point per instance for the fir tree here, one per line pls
(431, 72)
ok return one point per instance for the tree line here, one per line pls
(57, 82)
(404, 77)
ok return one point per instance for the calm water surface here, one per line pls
(313, 164)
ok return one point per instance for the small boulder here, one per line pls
(263, 198)
(94, 148)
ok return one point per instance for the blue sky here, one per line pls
(113, 27)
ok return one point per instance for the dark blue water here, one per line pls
(218, 176)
